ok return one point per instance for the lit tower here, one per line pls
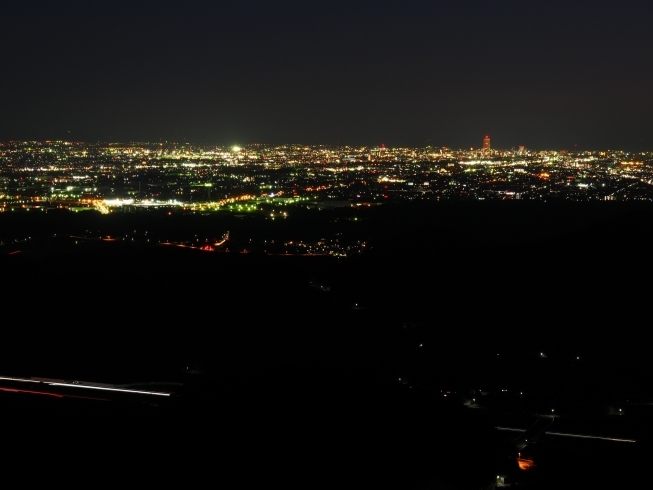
(486, 143)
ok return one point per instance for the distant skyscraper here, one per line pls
(486, 143)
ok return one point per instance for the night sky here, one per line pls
(544, 74)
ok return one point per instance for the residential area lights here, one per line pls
(107, 177)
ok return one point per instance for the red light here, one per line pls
(14, 390)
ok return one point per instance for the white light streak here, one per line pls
(111, 389)
(18, 379)
(591, 437)
(581, 436)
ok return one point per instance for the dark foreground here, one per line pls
(287, 369)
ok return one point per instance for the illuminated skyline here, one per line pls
(264, 179)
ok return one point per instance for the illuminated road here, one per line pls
(580, 436)
(101, 206)
(109, 388)
(52, 387)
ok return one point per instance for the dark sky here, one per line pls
(545, 74)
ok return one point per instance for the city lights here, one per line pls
(112, 177)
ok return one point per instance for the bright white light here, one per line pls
(118, 202)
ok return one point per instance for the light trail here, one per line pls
(23, 380)
(53, 382)
(16, 390)
(591, 437)
(580, 436)
(111, 389)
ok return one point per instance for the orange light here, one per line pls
(525, 464)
